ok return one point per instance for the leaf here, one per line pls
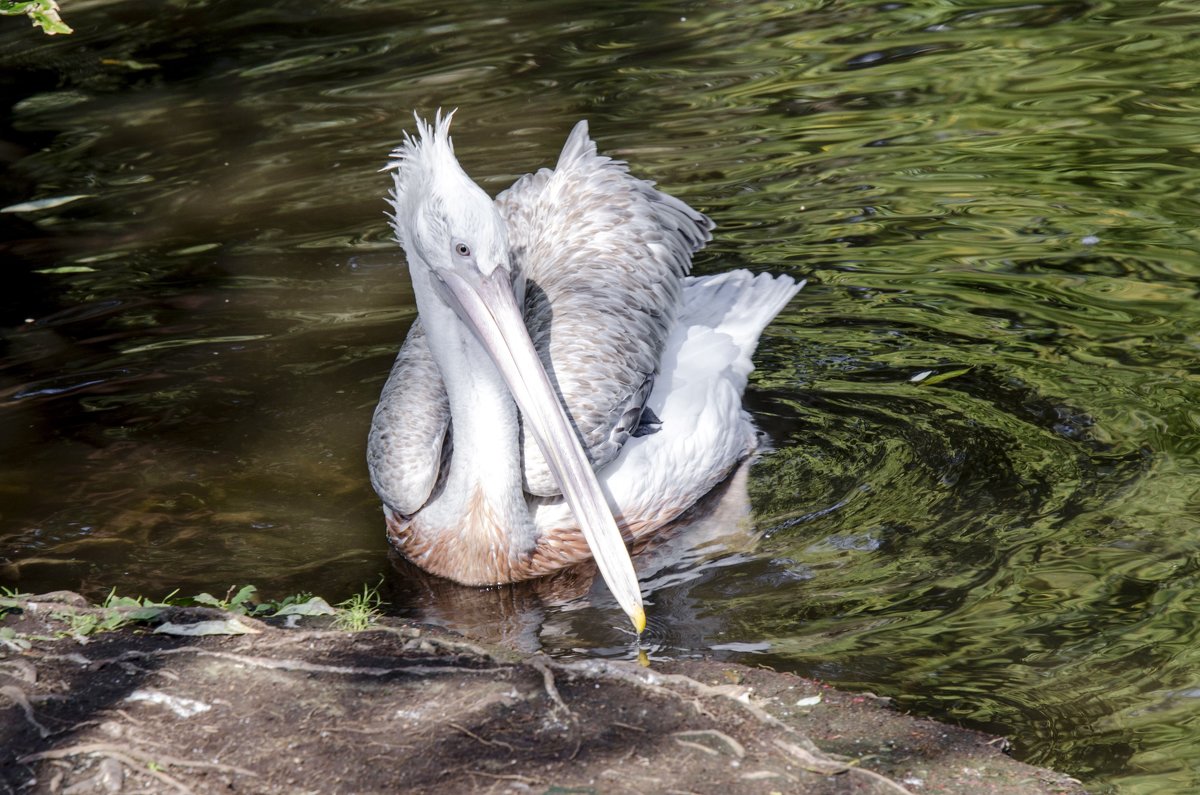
(242, 596)
(10, 638)
(43, 13)
(940, 377)
(313, 607)
(145, 613)
(111, 621)
(207, 599)
(231, 626)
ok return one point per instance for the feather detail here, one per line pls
(603, 254)
(414, 165)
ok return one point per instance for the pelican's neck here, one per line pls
(483, 485)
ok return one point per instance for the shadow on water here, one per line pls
(979, 496)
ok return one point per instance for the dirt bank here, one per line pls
(412, 709)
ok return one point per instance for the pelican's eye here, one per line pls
(462, 249)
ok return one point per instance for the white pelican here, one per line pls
(563, 312)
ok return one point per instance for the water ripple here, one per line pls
(1000, 197)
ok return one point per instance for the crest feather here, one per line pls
(412, 162)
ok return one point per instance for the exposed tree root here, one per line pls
(800, 748)
(481, 740)
(135, 760)
(141, 756)
(539, 662)
(18, 697)
(278, 664)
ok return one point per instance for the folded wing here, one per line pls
(603, 255)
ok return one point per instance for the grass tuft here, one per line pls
(360, 611)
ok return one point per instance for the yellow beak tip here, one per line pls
(638, 617)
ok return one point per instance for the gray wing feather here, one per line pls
(408, 431)
(603, 255)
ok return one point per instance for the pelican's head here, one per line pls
(444, 221)
(458, 255)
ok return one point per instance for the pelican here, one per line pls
(567, 387)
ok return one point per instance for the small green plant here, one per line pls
(13, 640)
(43, 14)
(143, 608)
(111, 614)
(81, 625)
(8, 600)
(243, 602)
(296, 600)
(360, 611)
(115, 612)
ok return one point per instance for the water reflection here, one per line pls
(1001, 196)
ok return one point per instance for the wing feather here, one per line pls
(603, 255)
(408, 430)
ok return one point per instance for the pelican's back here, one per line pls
(603, 255)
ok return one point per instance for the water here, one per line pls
(983, 492)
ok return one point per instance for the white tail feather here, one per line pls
(737, 303)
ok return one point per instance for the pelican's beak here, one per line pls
(487, 305)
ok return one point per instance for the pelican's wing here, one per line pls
(603, 255)
(404, 450)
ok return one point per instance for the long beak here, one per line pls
(488, 306)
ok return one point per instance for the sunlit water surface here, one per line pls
(982, 496)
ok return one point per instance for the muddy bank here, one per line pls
(402, 708)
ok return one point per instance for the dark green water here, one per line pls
(1002, 196)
